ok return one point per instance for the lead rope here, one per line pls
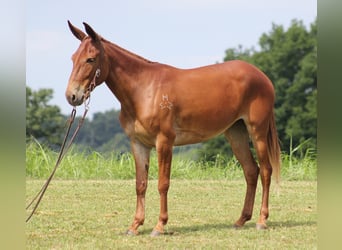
(63, 149)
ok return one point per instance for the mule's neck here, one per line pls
(127, 73)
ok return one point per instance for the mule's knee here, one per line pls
(163, 187)
(141, 187)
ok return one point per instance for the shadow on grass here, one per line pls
(290, 224)
(274, 225)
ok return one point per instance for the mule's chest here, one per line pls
(145, 131)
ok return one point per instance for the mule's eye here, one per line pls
(90, 60)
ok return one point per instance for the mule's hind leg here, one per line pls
(238, 138)
(265, 174)
(259, 138)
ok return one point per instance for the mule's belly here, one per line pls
(191, 137)
(200, 132)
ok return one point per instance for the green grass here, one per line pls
(81, 165)
(94, 214)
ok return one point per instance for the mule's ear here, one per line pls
(79, 34)
(91, 32)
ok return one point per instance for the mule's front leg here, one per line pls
(142, 158)
(164, 151)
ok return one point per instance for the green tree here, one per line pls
(43, 121)
(214, 148)
(119, 143)
(289, 59)
(103, 133)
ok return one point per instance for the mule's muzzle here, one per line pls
(75, 98)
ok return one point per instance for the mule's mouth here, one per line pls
(74, 101)
(76, 98)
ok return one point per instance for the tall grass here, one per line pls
(93, 165)
(303, 167)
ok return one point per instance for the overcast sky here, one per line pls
(182, 33)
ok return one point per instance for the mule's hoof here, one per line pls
(260, 226)
(156, 233)
(130, 232)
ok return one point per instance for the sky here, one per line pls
(181, 33)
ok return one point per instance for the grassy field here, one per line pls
(91, 203)
(94, 214)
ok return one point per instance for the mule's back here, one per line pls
(207, 100)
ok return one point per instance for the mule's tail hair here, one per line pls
(273, 149)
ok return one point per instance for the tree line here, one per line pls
(287, 56)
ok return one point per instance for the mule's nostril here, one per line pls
(73, 98)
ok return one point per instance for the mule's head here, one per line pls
(88, 58)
